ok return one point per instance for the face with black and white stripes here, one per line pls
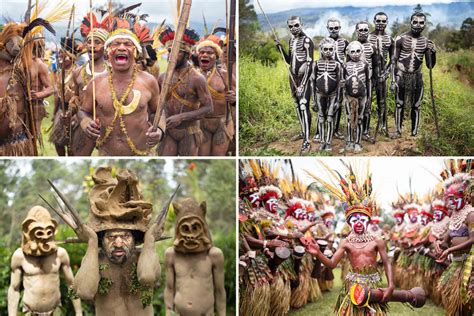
(381, 21)
(362, 31)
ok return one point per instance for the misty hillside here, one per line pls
(314, 19)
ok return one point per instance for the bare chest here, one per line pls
(193, 266)
(32, 266)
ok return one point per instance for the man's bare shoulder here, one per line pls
(17, 259)
(147, 78)
(216, 255)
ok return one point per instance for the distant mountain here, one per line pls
(314, 19)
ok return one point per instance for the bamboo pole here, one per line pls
(173, 58)
(92, 61)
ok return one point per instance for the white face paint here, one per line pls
(413, 217)
(272, 205)
(424, 219)
(329, 222)
(438, 215)
(300, 214)
(295, 26)
(334, 27)
(454, 203)
(362, 31)
(328, 50)
(399, 220)
(418, 24)
(380, 22)
(254, 199)
(359, 223)
(355, 51)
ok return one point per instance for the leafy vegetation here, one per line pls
(209, 180)
(267, 109)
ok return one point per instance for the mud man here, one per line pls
(194, 267)
(407, 77)
(300, 59)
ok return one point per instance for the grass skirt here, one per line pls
(344, 306)
(457, 290)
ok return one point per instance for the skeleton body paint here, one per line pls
(407, 78)
(334, 27)
(300, 59)
(383, 44)
(327, 75)
(362, 31)
(357, 90)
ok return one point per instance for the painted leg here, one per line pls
(415, 111)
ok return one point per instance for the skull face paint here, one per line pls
(118, 245)
(355, 50)
(295, 25)
(380, 21)
(38, 233)
(254, 199)
(359, 223)
(327, 47)
(362, 31)
(418, 23)
(334, 27)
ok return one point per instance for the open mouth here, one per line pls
(205, 62)
(121, 59)
(118, 253)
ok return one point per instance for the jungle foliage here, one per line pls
(209, 180)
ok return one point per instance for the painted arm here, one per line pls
(309, 48)
(368, 83)
(170, 276)
(387, 292)
(87, 278)
(331, 263)
(430, 54)
(282, 50)
(390, 55)
(69, 277)
(148, 266)
(395, 55)
(217, 259)
(15, 283)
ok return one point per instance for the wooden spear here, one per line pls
(173, 58)
(92, 60)
(230, 50)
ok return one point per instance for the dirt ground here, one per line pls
(404, 146)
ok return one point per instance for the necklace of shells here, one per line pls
(364, 239)
(458, 218)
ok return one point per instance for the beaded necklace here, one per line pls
(118, 107)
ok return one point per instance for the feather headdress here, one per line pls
(355, 192)
(458, 177)
(190, 38)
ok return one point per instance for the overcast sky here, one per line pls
(157, 9)
(387, 174)
(271, 6)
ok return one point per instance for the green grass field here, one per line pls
(325, 306)
(267, 113)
